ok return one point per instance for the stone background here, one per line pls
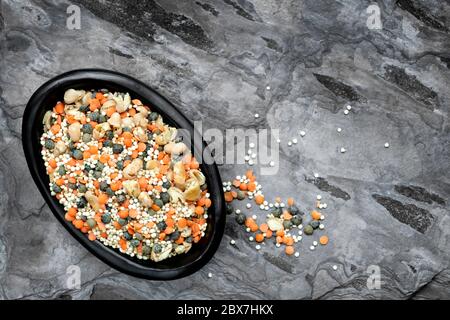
(214, 59)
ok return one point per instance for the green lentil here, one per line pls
(49, 144)
(240, 195)
(77, 154)
(296, 220)
(315, 224)
(287, 224)
(276, 212)
(230, 208)
(153, 116)
(240, 218)
(308, 230)
(91, 223)
(106, 218)
(87, 128)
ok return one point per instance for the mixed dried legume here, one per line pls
(281, 220)
(122, 175)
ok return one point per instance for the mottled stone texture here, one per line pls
(214, 59)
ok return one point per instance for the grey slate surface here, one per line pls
(214, 60)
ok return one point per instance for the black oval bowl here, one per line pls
(45, 99)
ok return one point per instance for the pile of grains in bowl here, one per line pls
(123, 176)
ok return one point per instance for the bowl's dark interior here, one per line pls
(173, 117)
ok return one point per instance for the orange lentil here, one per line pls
(133, 213)
(201, 201)
(228, 197)
(55, 128)
(128, 142)
(52, 163)
(103, 198)
(141, 146)
(68, 217)
(194, 164)
(94, 104)
(289, 250)
(168, 230)
(110, 111)
(259, 237)
(182, 223)
(92, 236)
(287, 215)
(289, 241)
(264, 227)
(117, 225)
(259, 199)
(315, 215)
(78, 223)
(127, 135)
(123, 244)
(116, 185)
(249, 221)
(123, 214)
(93, 149)
(199, 210)
(143, 182)
(290, 201)
(253, 227)
(323, 240)
(104, 158)
(59, 108)
(99, 96)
